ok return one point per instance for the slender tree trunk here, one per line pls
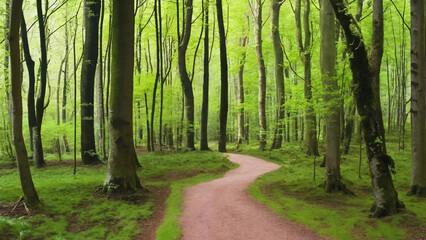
(65, 88)
(223, 78)
(279, 72)
(121, 168)
(418, 119)
(30, 193)
(262, 72)
(386, 200)
(148, 131)
(240, 87)
(100, 116)
(333, 178)
(87, 90)
(38, 145)
(205, 106)
(185, 80)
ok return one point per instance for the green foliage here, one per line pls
(14, 228)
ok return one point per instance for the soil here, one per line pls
(150, 225)
(222, 208)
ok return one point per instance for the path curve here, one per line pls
(222, 209)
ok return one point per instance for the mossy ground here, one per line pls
(73, 211)
(292, 191)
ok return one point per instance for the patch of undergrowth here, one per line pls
(291, 191)
(73, 211)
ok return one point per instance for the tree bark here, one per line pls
(121, 173)
(223, 78)
(386, 200)
(30, 193)
(418, 118)
(279, 72)
(328, 51)
(240, 87)
(205, 106)
(65, 88)
(100, 116)
(87, 88)
(38, 145)
(262, 72)
(186, 82)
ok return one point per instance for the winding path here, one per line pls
(222, 209)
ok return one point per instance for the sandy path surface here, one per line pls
(222, 208)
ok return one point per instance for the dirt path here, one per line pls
(222, 209)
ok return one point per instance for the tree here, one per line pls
(418, 84)
(121, 168)
(386, 200)
(240, 85)
(223, 79)
(333, 178)
(30, 193)
(262, 72)
(279, 71)
(87, 88)
(185, 80)
(205, 107)
(305, 53)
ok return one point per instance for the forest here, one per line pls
(212, 119)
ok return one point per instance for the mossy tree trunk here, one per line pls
(279, 71)
(386, 200)
(87, 89)
(333, 178)
(418, 84)
(223, 79)
(30, 193)
(121, 163)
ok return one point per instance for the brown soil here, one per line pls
(222, 208)
(150, 225)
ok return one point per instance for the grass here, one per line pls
(72, 210)
(291, 191)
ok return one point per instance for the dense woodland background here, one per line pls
(285, 80)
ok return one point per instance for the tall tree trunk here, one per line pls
(223, 79)
(87, 90)
(100, 116)
(418, 119)
(38, 145)
(65, 88)
(30, 193)
(240, 87)
(121, 167)
(333, 178)
(186, 82)
(376, 61)
(386, 200)
(262, 72)
(279, 72)
(205, 107)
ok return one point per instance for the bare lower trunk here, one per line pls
(205, 107)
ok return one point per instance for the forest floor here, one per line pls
(222, 208)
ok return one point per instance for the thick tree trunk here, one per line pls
(223, 78)
(418, 118)
(87, 90)
(333, 178)
(38, 145)
(262, 72)
(186, 82)
(121, 173)
(386, 200)
(205, 106)
(30, 193)
(279, 72)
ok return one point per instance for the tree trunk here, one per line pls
(205, 106)
(121, 173)
(240, 88)
(30, 193)
(223, 78)
(386, 200)
(65, 88)
(279, 72)
(87, 90)
(333, 178)
(262, 72)
(186, 82)
(38, 145)
(418, 119)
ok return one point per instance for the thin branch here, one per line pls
(402, 18)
